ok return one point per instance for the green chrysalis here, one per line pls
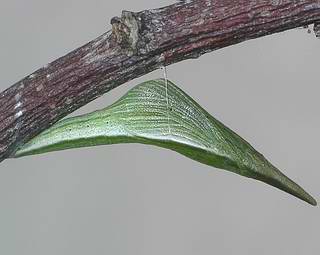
(161, 114)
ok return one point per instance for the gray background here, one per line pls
(134, 199)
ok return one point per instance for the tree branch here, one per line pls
(138, 44)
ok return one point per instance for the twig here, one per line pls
(138, 44)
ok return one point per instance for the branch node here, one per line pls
(126, 31)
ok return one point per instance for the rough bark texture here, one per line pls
(138, 44)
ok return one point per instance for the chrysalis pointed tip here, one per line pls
(312, 201)
(277, 179)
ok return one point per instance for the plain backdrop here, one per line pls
(135, 199)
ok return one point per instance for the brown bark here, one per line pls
(137, 44)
